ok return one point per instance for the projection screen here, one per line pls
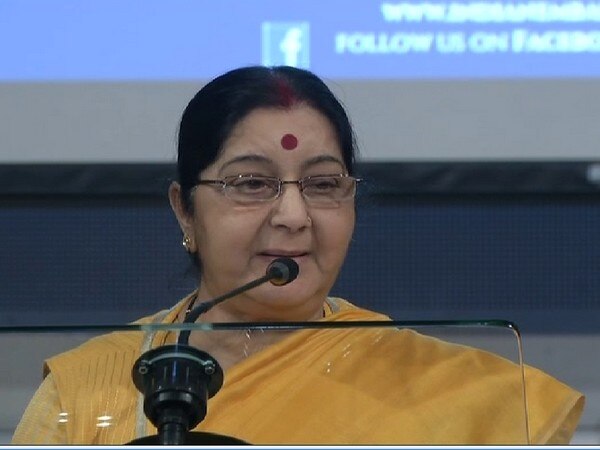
(106, 80)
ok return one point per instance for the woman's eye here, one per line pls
(324, 184)
(254, 184)
(251, 184)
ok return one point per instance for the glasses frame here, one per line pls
(225, 182)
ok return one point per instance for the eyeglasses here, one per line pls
(322, 190)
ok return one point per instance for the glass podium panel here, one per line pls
(358, 383)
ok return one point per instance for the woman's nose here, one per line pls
(290, 209)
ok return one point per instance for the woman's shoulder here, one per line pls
(126, 343)
(483, 364)
(337, 308)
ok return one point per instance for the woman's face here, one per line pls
(237, 242)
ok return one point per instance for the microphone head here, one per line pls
(282, 271)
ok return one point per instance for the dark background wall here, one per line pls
(99, 244)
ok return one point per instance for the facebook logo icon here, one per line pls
(285, 44)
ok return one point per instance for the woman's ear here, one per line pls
(184, 217)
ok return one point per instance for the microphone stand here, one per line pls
(177, 380)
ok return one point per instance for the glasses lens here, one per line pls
(250, 188)
(325, 189)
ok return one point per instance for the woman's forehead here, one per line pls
(287, 124)
(250, 160)
(279, 136)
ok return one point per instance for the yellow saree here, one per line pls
(370, 386)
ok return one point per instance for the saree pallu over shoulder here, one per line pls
(87, 396)
(329, 386)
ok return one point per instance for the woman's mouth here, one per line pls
(283, 253)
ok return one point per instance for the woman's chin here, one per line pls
(285, 303)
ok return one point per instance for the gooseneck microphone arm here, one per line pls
(280, 272)
(177, 380)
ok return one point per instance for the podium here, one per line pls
(327, 383)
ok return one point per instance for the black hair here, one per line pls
(220, 105)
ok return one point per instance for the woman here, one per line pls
(265, 166)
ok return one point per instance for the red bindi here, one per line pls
(289, 142)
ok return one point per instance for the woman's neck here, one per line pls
(230, 347)
(233, 346)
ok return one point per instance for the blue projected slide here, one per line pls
(179, 39)
(442, 80)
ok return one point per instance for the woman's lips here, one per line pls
(283, 254)
(299, 257)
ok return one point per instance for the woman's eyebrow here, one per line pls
(247, 158)
(320, 159)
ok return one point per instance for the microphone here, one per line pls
(280, 272)
(177, 380)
